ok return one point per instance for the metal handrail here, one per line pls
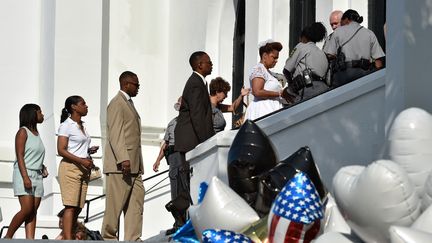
(87, 202)
(1, 231)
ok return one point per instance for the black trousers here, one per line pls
(350, 74)
(180, 186)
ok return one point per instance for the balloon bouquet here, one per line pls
(266, 200)
(269, 200)
(390, 200)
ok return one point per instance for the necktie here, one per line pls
(131, 102)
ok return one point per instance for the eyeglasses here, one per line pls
(209, 62)
(136, 84)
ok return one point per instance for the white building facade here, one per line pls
(52, 49)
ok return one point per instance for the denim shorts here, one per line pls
(35, 176)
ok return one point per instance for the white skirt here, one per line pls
(259, 108)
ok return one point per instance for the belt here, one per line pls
(362, 63)
(316, 77)
(169, 150)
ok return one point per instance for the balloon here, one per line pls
(302, 160)
(400, 234)
(333, 219)
(185, 234)
(223, 236)
(257, 231)
(296, 212)
(427, 195)
(202, 191)
(335, 237)
(343, 183)
(424, 221)
(410, 143)
(376, 197)
(250, 154)
(272, 182)
(221, 208)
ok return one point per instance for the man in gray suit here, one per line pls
(123, 163)
(194, 122)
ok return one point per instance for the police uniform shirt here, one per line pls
(364, 45)
(326, 41)
(307, 54)
(169, 133)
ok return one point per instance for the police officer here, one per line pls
(307, 56)
(360, 47)
(335, 22)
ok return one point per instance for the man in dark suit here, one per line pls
(123, 164)
(194, 123)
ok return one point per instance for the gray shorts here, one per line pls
(35, 176)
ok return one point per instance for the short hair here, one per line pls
(219, 85)
(195, 58)
(339, 13)
(352, 15)
(315, 33)
(125, 75)
(28, 116)
(269, 47)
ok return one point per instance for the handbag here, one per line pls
(95, 174)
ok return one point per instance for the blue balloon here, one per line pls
(186, 234)
(202, 191)
(223, 236)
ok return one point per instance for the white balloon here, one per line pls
(424, 222)
(343, 183)
(333, 219)
(407, 235)
(427, 195)
(411, 123)
(221, 208)
(379, 196)
(410, 143)
(333, 237)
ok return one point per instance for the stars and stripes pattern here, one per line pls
(296, 212)
(224, 236)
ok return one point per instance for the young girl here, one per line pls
(73, 144)
(27, 174)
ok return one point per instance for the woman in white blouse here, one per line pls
(266, 89)
(73, 144)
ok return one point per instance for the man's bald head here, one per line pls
(335, 19)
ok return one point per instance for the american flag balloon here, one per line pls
(296, 212)
(224, 236)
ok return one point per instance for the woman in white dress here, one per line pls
(266, 89)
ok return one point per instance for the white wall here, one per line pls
(78, 32)
(19, 62)
(415, 32)
(138, 37)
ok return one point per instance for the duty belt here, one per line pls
(362, 63)
(169, 150)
